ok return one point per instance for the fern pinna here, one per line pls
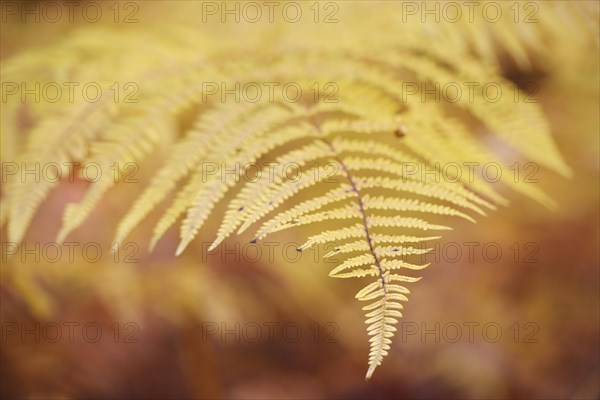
(358, 158)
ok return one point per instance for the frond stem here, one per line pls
(362, 212)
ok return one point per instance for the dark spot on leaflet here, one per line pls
(241, 208)
(401, 131)
(253, 241)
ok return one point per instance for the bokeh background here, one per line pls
(540, 305)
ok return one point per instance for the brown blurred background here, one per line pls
(529, 319)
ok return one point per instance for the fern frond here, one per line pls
(465, 199)
(186, 198)
(396, 204)
(333, 196)
(241, 207)
(347, 212)
(336, 235)
(185, 155)
(56, 153)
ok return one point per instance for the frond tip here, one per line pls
(381, 317)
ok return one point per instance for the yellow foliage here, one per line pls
(349, 156)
